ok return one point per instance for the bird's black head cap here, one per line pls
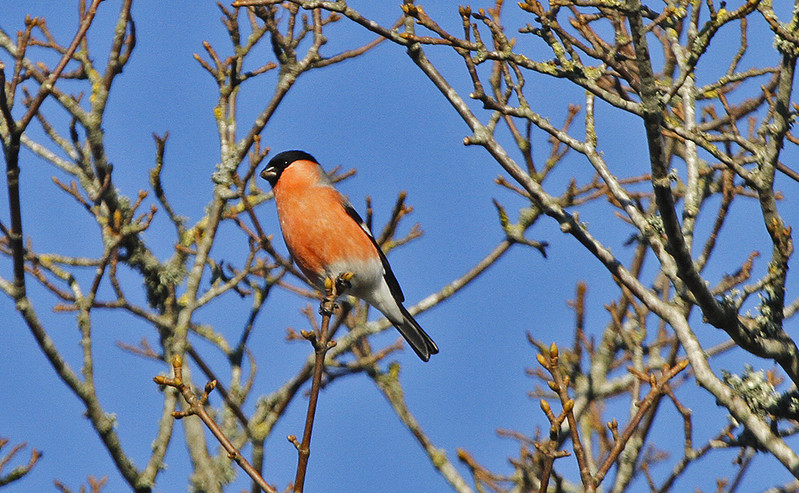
(282, 161)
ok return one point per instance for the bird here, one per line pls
(326, 238)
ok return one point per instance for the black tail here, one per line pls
(421, 343)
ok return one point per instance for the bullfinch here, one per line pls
(326, 237)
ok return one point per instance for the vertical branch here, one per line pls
(11, 145)
(716, 313)
(693, 191)
(560, 385)
(321, 343)
(780, 233)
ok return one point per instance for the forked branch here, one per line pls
(196, 407)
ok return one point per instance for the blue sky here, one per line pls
(380, 115)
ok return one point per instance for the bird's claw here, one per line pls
(343, 282)
(323, 307)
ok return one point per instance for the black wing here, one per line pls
(393, 285)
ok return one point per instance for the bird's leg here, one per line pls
(328, 302)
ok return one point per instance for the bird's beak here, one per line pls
(269, 174)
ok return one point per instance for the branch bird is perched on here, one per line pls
(326, 237)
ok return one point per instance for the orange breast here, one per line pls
(316, 227)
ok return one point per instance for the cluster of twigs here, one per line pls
(711, 144)
(20, 471)
(559, 383)
(95, 485)
(196, 407)
(727, 147)
(173, 291)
